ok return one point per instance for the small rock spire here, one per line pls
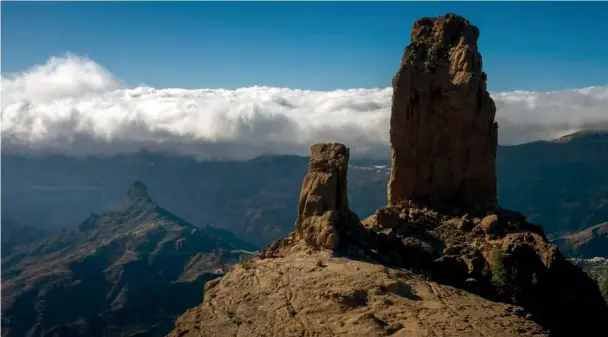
(323, 208)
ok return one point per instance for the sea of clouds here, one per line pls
(74, 106)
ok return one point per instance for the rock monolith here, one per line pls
(442, 130)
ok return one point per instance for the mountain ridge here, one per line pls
(586, 244)
(127, 270)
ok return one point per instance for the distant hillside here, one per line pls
(585, 136)
(16, 235)
(559, 185)
(588, 243)
(127, 271)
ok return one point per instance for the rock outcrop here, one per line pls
(324, 219)
(323, 209)
(317, 294)
(442, 130)
(434, 261)
(496, 254)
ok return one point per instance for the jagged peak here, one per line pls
(444, 30)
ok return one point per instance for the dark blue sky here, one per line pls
(310, 45)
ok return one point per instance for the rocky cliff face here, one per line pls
(442, 130)
(438, 258)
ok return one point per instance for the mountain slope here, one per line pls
(16, 235)
(127, 271)
(561, 185)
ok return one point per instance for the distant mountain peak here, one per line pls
(137, 204)
(138, 191)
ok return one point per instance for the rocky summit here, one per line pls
(441, 259)
(297, 288)
(442, 131)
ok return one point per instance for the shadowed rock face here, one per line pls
(323, 207)
(442, 130)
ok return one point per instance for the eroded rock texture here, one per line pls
(316, 294)
(323, 207)
(442, 130)
(496, 254)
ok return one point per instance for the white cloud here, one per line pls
(73, 105)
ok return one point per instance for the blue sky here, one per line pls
(309, 45)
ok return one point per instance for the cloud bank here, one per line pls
(74, 106)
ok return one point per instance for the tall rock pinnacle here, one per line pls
(323, 208)
(442, 130)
